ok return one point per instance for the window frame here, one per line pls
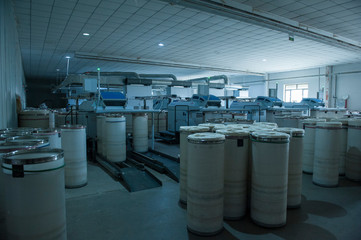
(290, 89)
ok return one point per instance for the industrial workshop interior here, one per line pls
(187, 119)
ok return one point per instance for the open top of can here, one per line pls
(193, 129)
(28, 138)
(270, 136)
(41, 132)
(354, 122)
(9, 146)
(313, 121)
(266, 124)
(210, 125)
(294, 132)
(234, 133)
(33, 156)
(344, 121)
(206, 137)
(69, 126)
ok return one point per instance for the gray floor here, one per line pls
(104, 209)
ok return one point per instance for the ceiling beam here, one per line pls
(250, 15)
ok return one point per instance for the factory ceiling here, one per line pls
(186, 38)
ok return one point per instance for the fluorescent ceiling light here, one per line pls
(86, 34)
(67, 57)
(161, 44)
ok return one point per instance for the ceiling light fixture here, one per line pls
(161, 44)
(86, 34)
(264, 60)
(67, 57)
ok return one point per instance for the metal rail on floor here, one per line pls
(130, 173)
(160, 162)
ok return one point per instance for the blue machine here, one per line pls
(113, 99)
(313, 102)
(189, 113)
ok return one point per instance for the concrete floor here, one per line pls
(104, 209)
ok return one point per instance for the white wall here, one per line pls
(309, 76)
(11, 69)
(257, 90)
(349, 83)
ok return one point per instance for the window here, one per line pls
(295, 92)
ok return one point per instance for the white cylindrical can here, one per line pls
(115, 138)
(343, 143)
(73, 142)
(309, 125)
(205, 183)
(35, 194)
(53, 135)
(294, 187)
(327, 154)
(7, 147)
(100, 137)
(269, 178)
(353, 154)
(235, 173)
(185, 131)
(37, 118)
(140, 132)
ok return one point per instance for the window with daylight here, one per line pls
(295, 92)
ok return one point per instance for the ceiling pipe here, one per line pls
(83, 55)
(209, 79)
(122, 74)
(161, 76)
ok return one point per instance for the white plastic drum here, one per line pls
(36, 118)
(294, 188)
(115, 138)
(100, 138)
(235, 173)
(309, 125)
(205, 183)
(140, 132)
(35, 195)
(353, 155)
(73, 141)
(343, 143)
(327, 154)
(6, 148)
(53, 136)
(269, 178)
(185, 131)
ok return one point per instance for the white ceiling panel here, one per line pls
(50, 30)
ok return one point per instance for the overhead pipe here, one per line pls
(161, 76)
(209, 79)
(83, 55)
(123, 74)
